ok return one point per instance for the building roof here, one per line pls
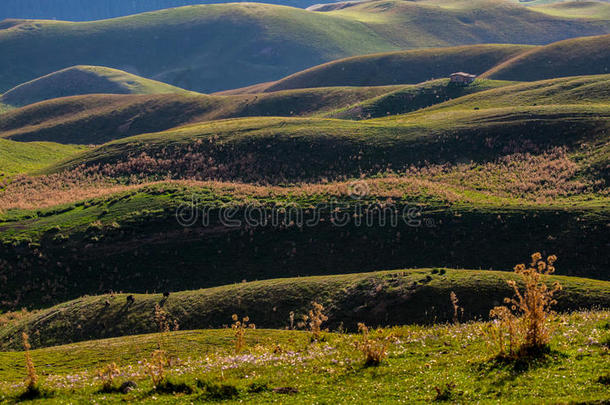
(464, 74)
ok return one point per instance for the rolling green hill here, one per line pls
(4, 108)
(248, 43)
(125, 239)
(440, 95)
(378, 299)
(97, 119)
(244, 43)
(20, 157)
(578, 56)
(414, 97)
(576, 9)
(404, 67)
(78, 80)
(105, 117)
(77, 10)
(298, 149)
(568, 90)
(451, 22)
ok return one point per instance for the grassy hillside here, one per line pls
(18, 157)
(569, 90)
(127, 240)
(245, 43)
(297, 149)
(404, 67)
(4, 108)
(379, 299)
(284, 366)
(99, 118)
(579, 56)
(83, 80)
(249, 43)
(493, 180)
(77, 10)
(440, 95)
(411, 98)
(576, 9)
(443, 23)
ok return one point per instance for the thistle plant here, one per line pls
(526, 317)
(240, 327)
(161, 319)
(314, 321)
(457, 310)
(32, 378)
(107, 376)
(160, 360)
(373, 349)
(156, 366)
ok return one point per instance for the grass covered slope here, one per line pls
(95, 119)
(252, 43)
(413, 97)
(284, 366)
(576, 9)
(378, 299)
(127, 239)
(304, 149)
(572, 57)
(404, 67)
(244, 44)
(453, 22)
(578, 90)
(76, 10)
(18, 157)
(78, 80)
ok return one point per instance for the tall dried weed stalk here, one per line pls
(457, 310)
(107, 376)
(160, 360)
(522, 327)
(240, 327)
(32, 378)
(314, 321)
(374, 349)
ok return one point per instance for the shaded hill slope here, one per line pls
(413, 97)
(379, 299)
(79, 80)
(567, 90)
(404, 67)
(244, 43)
(249, 43)
(77, 10)
(99, 118)
(291, 149)
(482, 94)
(128, 237)
(578, 56)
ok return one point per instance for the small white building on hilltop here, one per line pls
(462, 78)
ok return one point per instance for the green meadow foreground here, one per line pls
(441, 363)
